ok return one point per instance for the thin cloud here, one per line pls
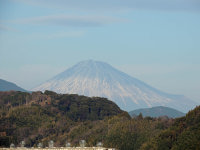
(6, 28)
(110, 5)
(58, 35)
(70, 34)
(66, 20)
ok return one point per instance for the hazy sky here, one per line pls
(156, 41)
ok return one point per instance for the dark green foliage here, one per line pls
(126, 133)
(41, 117)
(184, 134)
(85, 108)
(4, 141)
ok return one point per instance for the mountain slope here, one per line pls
(94, 78)
(157, 112)
(8, 86)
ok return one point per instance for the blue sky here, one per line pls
(156, 41)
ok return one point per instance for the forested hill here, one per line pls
(41, 117)
(73, 106)
(184, 134)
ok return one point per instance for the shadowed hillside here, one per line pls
(40, 115)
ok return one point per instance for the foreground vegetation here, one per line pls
(41, 117)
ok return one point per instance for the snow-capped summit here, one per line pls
(95, 78)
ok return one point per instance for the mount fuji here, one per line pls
(95, 78)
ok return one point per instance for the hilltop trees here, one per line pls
(41, 117)
(184, 134)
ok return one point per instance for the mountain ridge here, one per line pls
(157, 112)
(95, 78)
(8, 86)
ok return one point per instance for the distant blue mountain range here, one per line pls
(157, 112)
(8, 86)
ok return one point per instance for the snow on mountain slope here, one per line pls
(94, 78)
